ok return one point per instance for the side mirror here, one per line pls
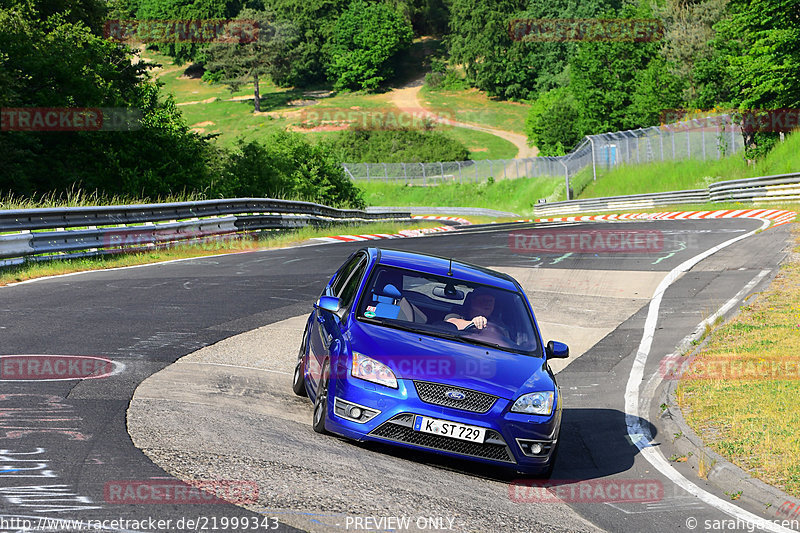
(329, 303)
(556, 350)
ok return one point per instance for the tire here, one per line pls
(321, 403)
(549, 471)
(298, 379)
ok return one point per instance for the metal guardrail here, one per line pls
(612, 203)
(780, 187)
(68, 232)
(783, 187)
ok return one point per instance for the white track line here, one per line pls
(640, 436)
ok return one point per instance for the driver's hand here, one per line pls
(480, 322)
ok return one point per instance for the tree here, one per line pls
(504, 63)
(315, 21)
(760, 47)
(270, 54)
(288, 166)
(688, 32)
(55, 61)
(185, 10)
(605, 76)
(366, 39)
(656, 89)
(552, 122)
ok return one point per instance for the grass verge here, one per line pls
(264, 241)
(687, 174)
(517, 196)
(740, 392)
(474, 107)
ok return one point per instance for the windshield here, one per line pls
(450, 308)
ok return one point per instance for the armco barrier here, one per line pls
(48, 233)
(783, 187)
(767, 188)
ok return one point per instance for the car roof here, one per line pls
(435, 264)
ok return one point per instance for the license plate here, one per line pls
(449, 429)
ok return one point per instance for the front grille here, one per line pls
(474, 401)
(399, 429)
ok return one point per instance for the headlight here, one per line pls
(534, 403)
(371, 370)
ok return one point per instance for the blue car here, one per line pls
(432, 354)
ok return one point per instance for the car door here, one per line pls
(325, 333)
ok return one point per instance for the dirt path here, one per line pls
(407, 99)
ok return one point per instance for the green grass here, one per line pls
(78, 198)
(209, 110)
(482, 145)
(474, 107)
(517, 196)
(689, 174)
(231, 120)
(718, 392)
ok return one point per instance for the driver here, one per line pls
(479, 306)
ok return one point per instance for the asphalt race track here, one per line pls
(65, 446)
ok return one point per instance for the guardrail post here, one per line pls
(424, 177)
(441, 168)
(405, 174)
(460, 178)
(385, 173)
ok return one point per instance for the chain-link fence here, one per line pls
(702, 138)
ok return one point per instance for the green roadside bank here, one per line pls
(739, 393)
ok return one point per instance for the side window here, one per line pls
(344, 274)
(351, 285)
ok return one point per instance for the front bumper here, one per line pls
(509, 436)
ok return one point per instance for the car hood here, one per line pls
(418, 356)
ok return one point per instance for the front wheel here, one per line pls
(321, 403)
(299, 380)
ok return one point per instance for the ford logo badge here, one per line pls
(455, 395)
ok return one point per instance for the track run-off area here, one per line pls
(197, 387)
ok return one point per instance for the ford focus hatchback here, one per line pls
(433, 354)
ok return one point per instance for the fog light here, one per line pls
(355, 412)
(536, 448)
